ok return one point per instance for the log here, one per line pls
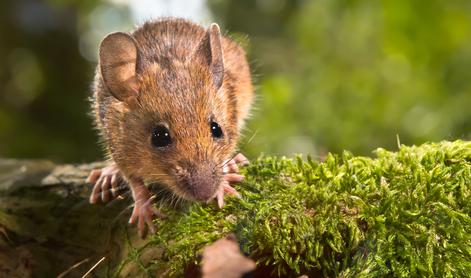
(47, 226)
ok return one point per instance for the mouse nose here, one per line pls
(202, 182)
(202, 186)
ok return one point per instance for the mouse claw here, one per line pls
(144, 213)
(230, 190)
(232, 165)
(94, 176)
(105, 183)
(220, 198)
(241, 159)
(225, 189)
(233, 177)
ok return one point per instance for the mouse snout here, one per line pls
(201, 182)
(202, 185)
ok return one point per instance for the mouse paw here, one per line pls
(231, 166)
(106, 183)
(231, 175)
(225, 188)
(144, 213)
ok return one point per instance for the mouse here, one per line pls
(169, 100)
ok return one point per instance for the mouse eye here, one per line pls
(161, 136)
(216, 130)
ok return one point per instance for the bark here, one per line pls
(48, 228)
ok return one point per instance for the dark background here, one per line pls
(330, 74)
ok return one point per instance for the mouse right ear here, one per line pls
(118, 62)
(209, 52)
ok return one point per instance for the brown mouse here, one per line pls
(169, 101)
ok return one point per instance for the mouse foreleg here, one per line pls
(144, 209)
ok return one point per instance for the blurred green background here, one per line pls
(330, 74)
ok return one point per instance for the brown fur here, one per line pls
(176, 90)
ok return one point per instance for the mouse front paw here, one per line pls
(232, 165)
(231, 169)
(144, 212)
(107, 182)
(231, 175)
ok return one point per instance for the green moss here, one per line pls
(404, 213)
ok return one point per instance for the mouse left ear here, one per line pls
(209, 52)
(118, 64)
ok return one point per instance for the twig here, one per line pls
(93, 267)
(63, 274)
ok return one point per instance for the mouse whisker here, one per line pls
(237, 152)
(251, 137)
(224, 163)
(120, 197)
(130, 206)
(174, 200)
(179, 201)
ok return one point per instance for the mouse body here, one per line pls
(169, 102)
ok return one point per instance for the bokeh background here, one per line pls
(330, 74)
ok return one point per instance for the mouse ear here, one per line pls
(209, 51)
(118, 61)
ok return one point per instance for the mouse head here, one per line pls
(178, 122)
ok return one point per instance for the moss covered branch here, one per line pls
(404, 213)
